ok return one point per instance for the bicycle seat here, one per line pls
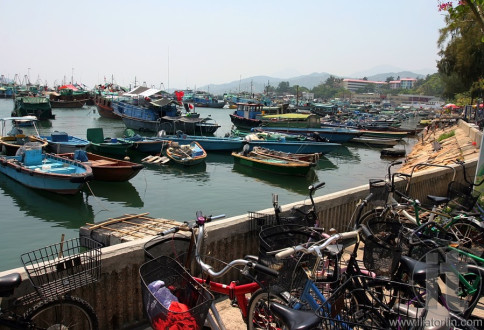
(295, 319)
(417, 268)
(438, 200)
(8, 283)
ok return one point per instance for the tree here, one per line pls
(390, 79)
(461, 9)
(283, 87)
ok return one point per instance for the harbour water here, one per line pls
(31, 219)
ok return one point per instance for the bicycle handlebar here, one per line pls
(313, 188)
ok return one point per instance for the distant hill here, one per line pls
(257, 84)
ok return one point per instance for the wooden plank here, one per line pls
(122, 231)
(111, 220)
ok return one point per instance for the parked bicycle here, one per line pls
(54, 271)
(186, 253)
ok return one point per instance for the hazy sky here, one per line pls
(188, 44)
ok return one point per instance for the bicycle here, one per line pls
(54, 271)
(180, 248)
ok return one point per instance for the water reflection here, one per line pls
(296, 184)
(119, 192)
(346, 154)
(70, 211)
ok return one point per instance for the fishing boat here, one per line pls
(310, 158)
(48, 172)
(376, 141)
(61, 142)
(186, 154)
(100, 144)
(105, 168)
(77, 104)
(271, 164)
(247, 115)
(11, 142)
(37, 106)
(331, 134)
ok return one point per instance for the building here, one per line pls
(404, 83)
(357, 84)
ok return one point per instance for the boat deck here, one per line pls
(126, 228)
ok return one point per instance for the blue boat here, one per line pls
(295, 147)
(61, 142)
(48, 172)
(331, 134)
(144, 144)
(209, 143)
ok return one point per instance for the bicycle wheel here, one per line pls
(470, 235)
(259, 315)
(65, 312)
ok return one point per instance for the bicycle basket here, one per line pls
(366, 303)
(262, 219)
(380, 258)
(380, 190)
(280, 237)
(461, 196)
(180, 302)
(62, 267)
(174, 246)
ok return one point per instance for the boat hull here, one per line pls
(296, 147)
(271, 165)
(105, 110)
(109, 169)
(209, 143)
(11, 144)
(196, 155)
(332, 134)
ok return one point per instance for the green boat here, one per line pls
(295, 120)
(101, 145)
(271, 164)
(38, 106)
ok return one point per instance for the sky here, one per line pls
(190, 44)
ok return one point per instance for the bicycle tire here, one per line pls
(65, 312)
(259, 315)
(470, 235)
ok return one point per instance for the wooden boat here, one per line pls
(271, 164)
(376, 141)
(11, 142)
(105, 168)
(310, 158)
(104, 108)
(102, 145)
(37, 106)
(247, 115)
(384, 134)
(47, 172)
(186, 154)
(61, 142)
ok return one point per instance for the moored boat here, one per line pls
(291, 146)
(186, 154)
(105, 168)
(67, 103)
(100, 144)
(247, 116)
(311, 158)
(376, 141)
(48, 172)
(331, 134)
(271, 164)
(37, 106)
(208, 143)
(11, 142)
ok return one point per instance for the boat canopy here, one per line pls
(142, 91)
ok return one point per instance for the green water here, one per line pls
(31, 219)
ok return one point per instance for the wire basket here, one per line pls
(279, 237)
(380, 190)
(180, 303)
(262, 219)
(365, 303)
(462, 196)
(62, 267)
(383, 249)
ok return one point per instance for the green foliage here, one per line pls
(446, 136)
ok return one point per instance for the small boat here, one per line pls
(311, 158)
(247, 115)
(186, 154)
(293, 146)
(376, 141)
(271, 164)
(105, 168)
(11, 142)
(47, 172)
(37, 106)
(102, 145)
(61, 142)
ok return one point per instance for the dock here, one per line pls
(126, 228)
